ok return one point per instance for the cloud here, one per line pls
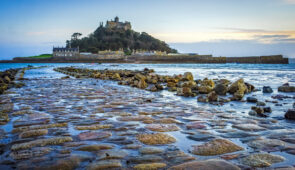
(243, 30)
(237, 48)
(289, 1)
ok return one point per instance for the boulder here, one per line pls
(203, 99)
(212, 97)
(142, 84)
(251, 99)
(286, 88)
(290, 114)
(267, 89)
(188, 76)
(220, 89)
(235, 86)
(184, 91)
(204, 89)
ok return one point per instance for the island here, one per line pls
(116, 42)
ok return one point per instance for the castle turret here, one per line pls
(116, 19)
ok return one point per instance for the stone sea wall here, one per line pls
(274, 59)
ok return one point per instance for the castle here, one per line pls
(65, 52)
(118, 25)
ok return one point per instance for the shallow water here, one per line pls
(89, 101)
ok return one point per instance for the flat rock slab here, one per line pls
(150, 150)
(150, 166)
(41, 142)
(206, 165)
(95, 147)
(105, 164)
(248, 127)
(26, 154)
(267, 144)
(94, 135)
(145, 159)
(162, 127)
(156, 139)
(112, 154)
(216, 147)
(200, 137)
(196, 125)
(262, 160)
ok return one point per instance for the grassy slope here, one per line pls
(42, 56)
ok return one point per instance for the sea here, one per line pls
(259, 75)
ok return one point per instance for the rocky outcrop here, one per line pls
(290, 114)
(286, 88)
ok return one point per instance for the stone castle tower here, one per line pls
(116, 24)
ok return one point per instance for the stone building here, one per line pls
(65, 52)
(118, 25)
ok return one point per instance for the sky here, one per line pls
(218, 27)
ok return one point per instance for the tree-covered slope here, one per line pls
(114, 39)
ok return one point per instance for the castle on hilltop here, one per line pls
(116, 24)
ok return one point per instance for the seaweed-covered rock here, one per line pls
(216, 147)
(156, 139)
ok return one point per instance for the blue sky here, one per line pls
(221, 28)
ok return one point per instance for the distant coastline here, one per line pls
(273, 59)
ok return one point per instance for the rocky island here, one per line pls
(116, 42)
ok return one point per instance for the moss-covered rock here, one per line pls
(35, 127)
(162, 127)
(93, 127)
(41, 142)
(33, 133)
(150, 166)
(216, 147)
(156, 139)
